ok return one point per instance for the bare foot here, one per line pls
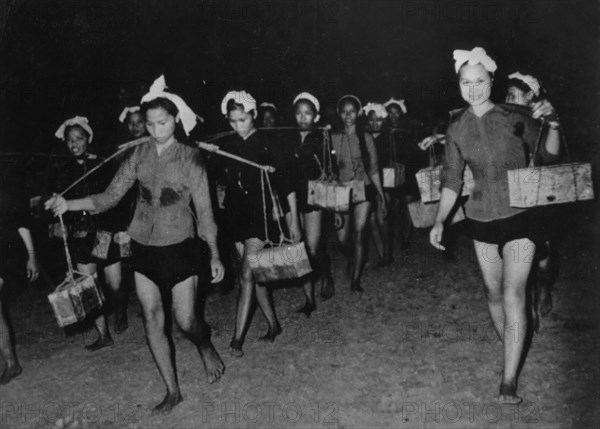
(271, 334)
(235, 349)
(307, 308)
(10, 372)
(167, 404)
(99, 344)
(508, 394)
(213, 365)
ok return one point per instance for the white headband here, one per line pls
(126, 111)
(187, 115)
(360, 108)
(309, 97)
(378, 108)
(271, 105)
(77, 120)
(400, 103)
(239, 97)
(475, 56)
(529, 80)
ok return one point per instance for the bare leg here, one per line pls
(377, 235)
(491, 269)
(250, 249)
(312, 234)
(406, 226)
(7, 347)
(264, 297)
(114, 278)
(104, 338)
(324, 261)
(546, 276)
(185, 298)
(360, 217)
(344, 242)
(515, 273)
(154, 321)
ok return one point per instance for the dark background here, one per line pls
(61, 58)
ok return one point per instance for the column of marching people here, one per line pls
(157, 195)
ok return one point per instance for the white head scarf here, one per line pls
(378, 108)
(529, 80)
(354, 97)
(126, 111)
(271, 105)
(82, 121)
(187, 115)
(475, 56)
(400, 103)
(240, 97)
(308, 96)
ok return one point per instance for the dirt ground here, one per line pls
(417, 350)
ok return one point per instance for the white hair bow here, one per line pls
(240, 97)
(126, 111)
(308, 96)
(82, 121)
(187, 115)
(271, 105)
(529, 80)
(378, 108)
(398, 102)
(475, 56)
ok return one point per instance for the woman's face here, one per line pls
(136, 125)
(160, 124)
(516, 95)
(475, 84)
(268, 119)
(241, 121)
(394, 114)
(375, 122)
(77, 141)
(348, 114)
(305, 115)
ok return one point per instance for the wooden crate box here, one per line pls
(393, 175)
(329, 195)
(73, 300)
(429, 181)
(287, 261)
(554, 184)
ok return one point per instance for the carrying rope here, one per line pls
(70, 273)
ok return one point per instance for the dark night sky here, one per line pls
(60, 58)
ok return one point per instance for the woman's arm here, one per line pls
(447, 200)
(33, 267)
(292, 218)
(207, 228)
(98, 203)
(452, 182)
(543, 109)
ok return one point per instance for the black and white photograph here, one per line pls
(303, 214)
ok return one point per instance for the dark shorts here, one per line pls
(169, 265)
(501, 231)
(81, 249)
